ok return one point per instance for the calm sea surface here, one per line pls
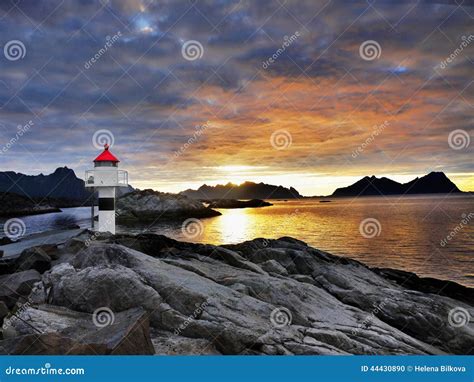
(404, 233)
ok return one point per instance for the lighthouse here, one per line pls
(105, 178)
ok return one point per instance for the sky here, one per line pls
(309, 94)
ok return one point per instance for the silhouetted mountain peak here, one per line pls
(432, 183)
(246, 190)
(62, 184)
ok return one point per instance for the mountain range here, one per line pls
(246, 190)
(433, 183)
(61, 184)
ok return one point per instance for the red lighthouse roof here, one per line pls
(106, 156)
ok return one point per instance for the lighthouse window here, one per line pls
(105, 164)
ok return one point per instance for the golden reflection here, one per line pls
(234, 225)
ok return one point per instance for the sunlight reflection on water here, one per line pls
(411, 231)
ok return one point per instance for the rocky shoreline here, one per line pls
(149, 294)
(13, 205)
(150, 205)
(234, 203)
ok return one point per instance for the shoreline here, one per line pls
(296, 298)
(61, 236)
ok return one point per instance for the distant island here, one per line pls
(246, 190)
(433, 183)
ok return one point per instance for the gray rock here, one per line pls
(273, 266)
(17, 285)
(151, 205)
(171, 344)
(3, 311)
(223, 299)
(62, 331)
(33, 258)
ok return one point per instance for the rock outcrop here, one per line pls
(17, 205)
(149, 205)
(233, 203)
(258, 297)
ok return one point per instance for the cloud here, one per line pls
(318, 88)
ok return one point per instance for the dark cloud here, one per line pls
(152, 98)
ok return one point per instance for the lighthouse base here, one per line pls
(106, 210)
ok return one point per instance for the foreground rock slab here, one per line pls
(49, 329)
(258, 297)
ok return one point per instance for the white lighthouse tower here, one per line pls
(106, 177)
